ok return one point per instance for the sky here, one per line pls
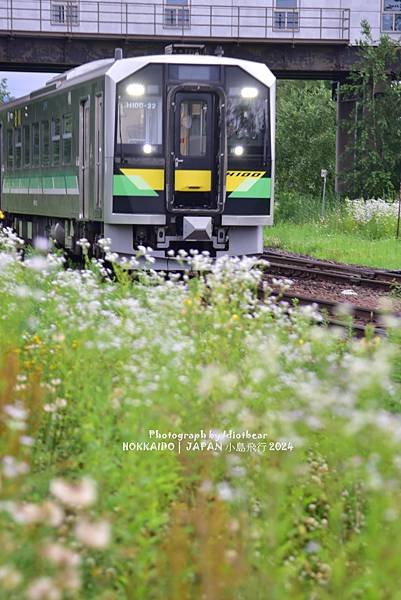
(20, 84)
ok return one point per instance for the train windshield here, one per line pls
(139, 114)
(247, 114)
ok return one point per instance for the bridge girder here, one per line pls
(53, 53)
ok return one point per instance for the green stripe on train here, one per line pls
(131, 185)
(259, 188)
(37, 182)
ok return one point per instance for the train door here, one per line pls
(84, 158)
(195, 175)
(99, 151)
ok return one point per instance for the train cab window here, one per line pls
(45, 142)
(18, 147)
(193, 128)
(10, 149)
(56, 128)
(247, 115)
(35, 144)
(67, 139)
(139, 114)
(26, 135)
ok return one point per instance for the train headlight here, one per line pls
(238, 150)
(147, 149)
(135, 89)
(249, 92)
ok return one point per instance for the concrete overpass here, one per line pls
(292, 39)
(318, 60)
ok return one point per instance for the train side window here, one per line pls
(56, 125)
(45, 140)
(18, 146)
(10, 149)
(35, 144)
(67, 139)
(26, 135)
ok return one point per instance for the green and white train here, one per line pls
(172, 152)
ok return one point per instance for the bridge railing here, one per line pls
(117, 18)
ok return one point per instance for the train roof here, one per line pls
(118, 69)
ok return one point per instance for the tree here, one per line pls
(4, 93)
(374, 150)
(306, 134)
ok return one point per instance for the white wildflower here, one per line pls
(60, 403)
(41, 243)
(312, 547)
(76, 495)
(43, 588)
(15, 411)
(26, 440)
(93, 534)
(13, 468)
(225, 491)
(61, 556)
(26, 513)
(83, 243)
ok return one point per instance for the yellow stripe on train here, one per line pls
(188, 180)
(235, 178)
(154, 178)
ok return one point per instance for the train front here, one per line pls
(192, 155)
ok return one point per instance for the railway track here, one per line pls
(358, 321)
(309, 268)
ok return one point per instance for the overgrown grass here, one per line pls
(323, 242)
(348, 231)
(88, 365)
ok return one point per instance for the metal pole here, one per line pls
(399, 215)
(321, 22)
(266, 22)
(324, 176)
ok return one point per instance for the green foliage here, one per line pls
(4, 93)
(297, 207)
(375, 127)
(306, 132)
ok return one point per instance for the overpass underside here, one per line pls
(301, 60)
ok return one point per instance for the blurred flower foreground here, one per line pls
(92, 359)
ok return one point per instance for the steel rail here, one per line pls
(308, 268)
(357, 321)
